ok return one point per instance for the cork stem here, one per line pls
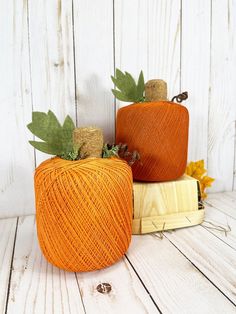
(156, 90)
(90, 141)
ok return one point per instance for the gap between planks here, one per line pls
(75, 274)
(224, 221)
(11, 266)
(195, 266)
(220, 217)
(223, 286)
(39, 287)
(150, 294)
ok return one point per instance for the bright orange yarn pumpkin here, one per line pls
(83, 212)
(159, 132)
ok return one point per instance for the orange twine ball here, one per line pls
(83, 212)
(158, 130)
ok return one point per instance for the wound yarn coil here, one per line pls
(83, 212)
(159, 132)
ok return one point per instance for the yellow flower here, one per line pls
(196, 170)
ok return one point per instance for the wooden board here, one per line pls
(165, 205)
(147, 37)
(94, 64)
(212, 257)
(60, 55)
(231, 195)
(224, 202)
(7, 237)
(195, 72)
(36, 286)
(191, 270)
(167, 222)
(234, 170)
(214, 219)
(163, 198)
(222, 110)
(52, 59)
(175, 284)
(17, 158)
(127, 295)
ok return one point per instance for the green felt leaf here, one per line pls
(68, 123)
(43, 125)
(120, 96)
(141, 85)
(129, 78)
(39, 125)
(119, 73)
(48, 148)
(127, 89)
(53, 122)
(126, 84)
(67, 131)
(118, 82)
(57, 139)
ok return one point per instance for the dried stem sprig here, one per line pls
(121, 151)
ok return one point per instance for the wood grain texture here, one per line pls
(191, 270)
(152, 199)
(147, 37)
(175, 284)
(42, 42)
(222, 110)
(234, 169)
(36, 286)
(165, 205)
(17, 158)
(195, 71)
(7, 236)
(212, 257)
(214, 219)
(52, 59)
(168, 222)
(231, 195)
(224, 202)
(93, 33)
(127, 294)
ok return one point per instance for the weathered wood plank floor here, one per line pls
(192, 270)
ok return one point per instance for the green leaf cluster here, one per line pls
(56, 139)
(110, 151)
(75, 154)
(127, 89)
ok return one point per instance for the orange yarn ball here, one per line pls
(83, 212)
(158, 130)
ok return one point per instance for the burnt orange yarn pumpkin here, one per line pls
(83, 212)
(159, 132)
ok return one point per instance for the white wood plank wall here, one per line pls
(59, 54)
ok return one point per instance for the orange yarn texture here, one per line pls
(83, 212)
(159, 132)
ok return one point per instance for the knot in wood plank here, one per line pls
(104, 288)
